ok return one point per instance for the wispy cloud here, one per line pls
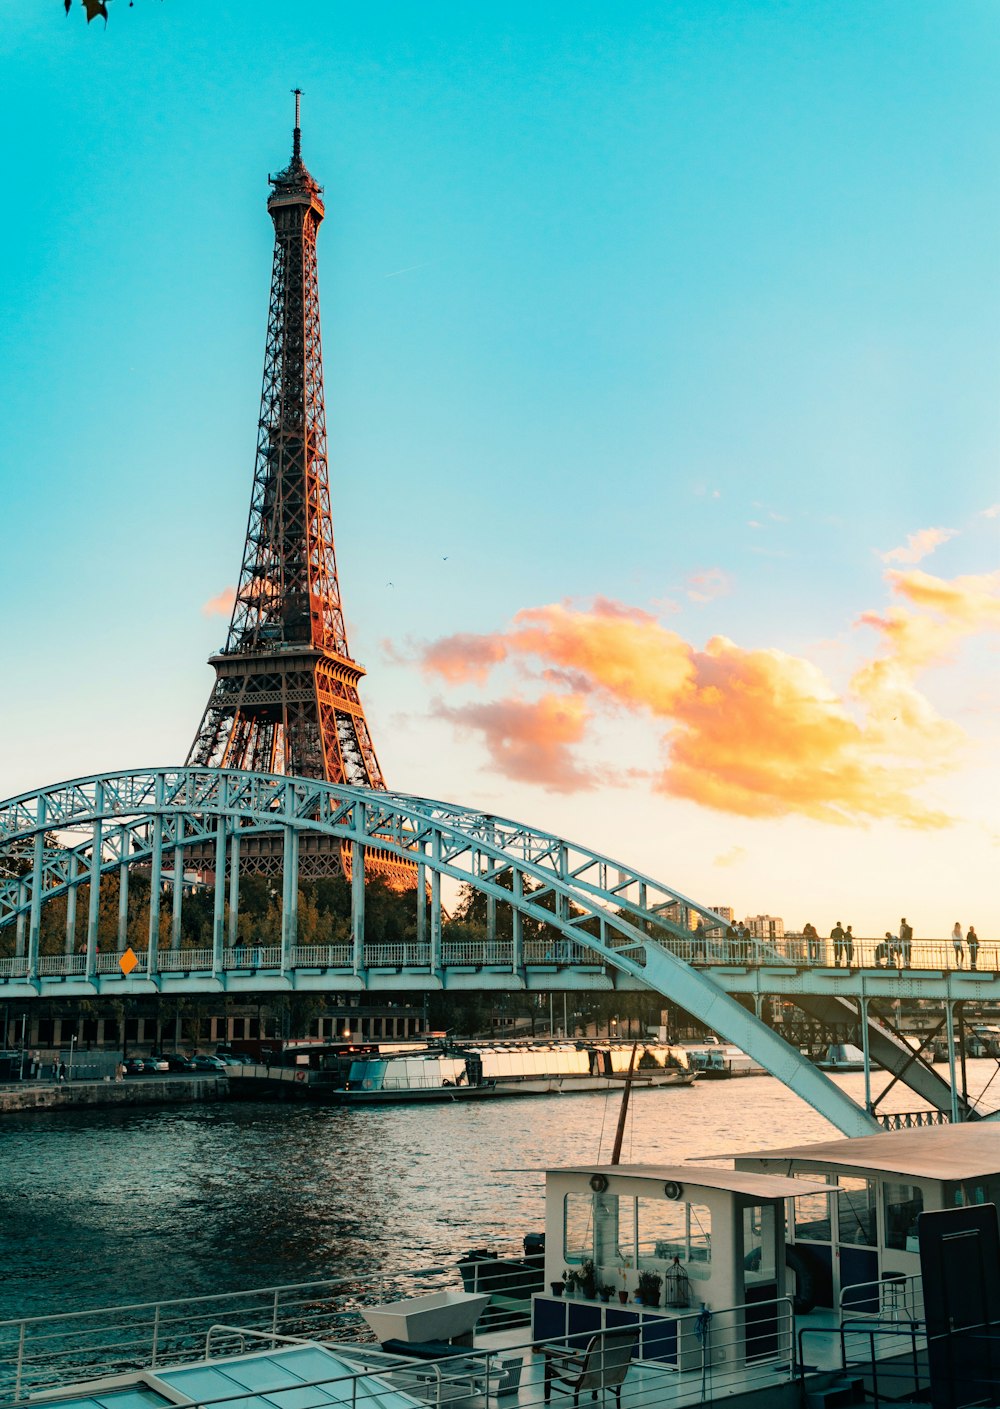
(732, 857)
(919, 545)
(220, 605)
(992, 512)
(707, 584)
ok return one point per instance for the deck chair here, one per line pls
(600, 1366)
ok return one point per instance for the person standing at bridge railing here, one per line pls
(811, 936)
(849, 945)
(837, 935)
(972, 939)
(957, 941)
(905, 942)
(700, 948)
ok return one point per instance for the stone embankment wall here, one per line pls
(134, 1091)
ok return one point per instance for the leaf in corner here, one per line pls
(95, 8)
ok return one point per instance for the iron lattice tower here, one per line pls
(285, 698)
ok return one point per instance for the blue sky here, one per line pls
(646, 303)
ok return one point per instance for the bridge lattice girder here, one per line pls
(888, 1049)
(594, 901)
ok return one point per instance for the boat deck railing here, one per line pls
(893, 1298)
(888, 1357)
(41, 1352)
(735, 1351)
(739, 1347)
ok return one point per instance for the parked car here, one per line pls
(177, 1062)
(135, 1066)
(154, 1064)
(203, 1063)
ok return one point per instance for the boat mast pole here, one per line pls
(620, 1132)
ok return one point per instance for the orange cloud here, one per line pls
(946, 611)
(757, 733)
(529, 741)
(919, 545)
(464, 656)
(220, 605)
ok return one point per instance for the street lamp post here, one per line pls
(72, 1047)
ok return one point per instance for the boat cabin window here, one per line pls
(902, 1205)
(970, 1193)
(578, 1227)
(645, 1233)
(856, 1212)
(758, 1243)
(666, 1229)
(812, 1215)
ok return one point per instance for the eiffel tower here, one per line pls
(285, 698)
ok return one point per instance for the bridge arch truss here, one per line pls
(616, 924)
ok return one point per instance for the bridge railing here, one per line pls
(707, 952)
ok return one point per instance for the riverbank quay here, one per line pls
(20, 1097)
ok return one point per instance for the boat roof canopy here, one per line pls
(732, 1181)
(947, 1152)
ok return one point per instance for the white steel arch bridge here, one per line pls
(618, 928)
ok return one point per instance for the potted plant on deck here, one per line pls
(648, 1289)
(586, 1279)
(605, 1292)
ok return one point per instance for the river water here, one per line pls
(100, 1208)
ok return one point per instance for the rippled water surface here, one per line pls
(101, 1208)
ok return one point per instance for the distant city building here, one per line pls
(765, 926)
(725, 912)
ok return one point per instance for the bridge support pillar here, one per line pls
(517, 922)
(491, 919)
(289, 897)
(435, 963)
(421, 906)
(123, 890)
(949, 1016)
(35, 924)
(178, 898)
(234, 889)
(74, 871)
(358, 906)
(863, 1020)
(94, 898)
(22, 920)
(219, 899)
(155, 882)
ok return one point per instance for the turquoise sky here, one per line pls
(689, 306)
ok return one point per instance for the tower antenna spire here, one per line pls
(297, 133)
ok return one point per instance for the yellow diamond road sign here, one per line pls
(128, 961)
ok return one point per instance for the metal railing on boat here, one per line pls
(727, 1350)
(734, 1350)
